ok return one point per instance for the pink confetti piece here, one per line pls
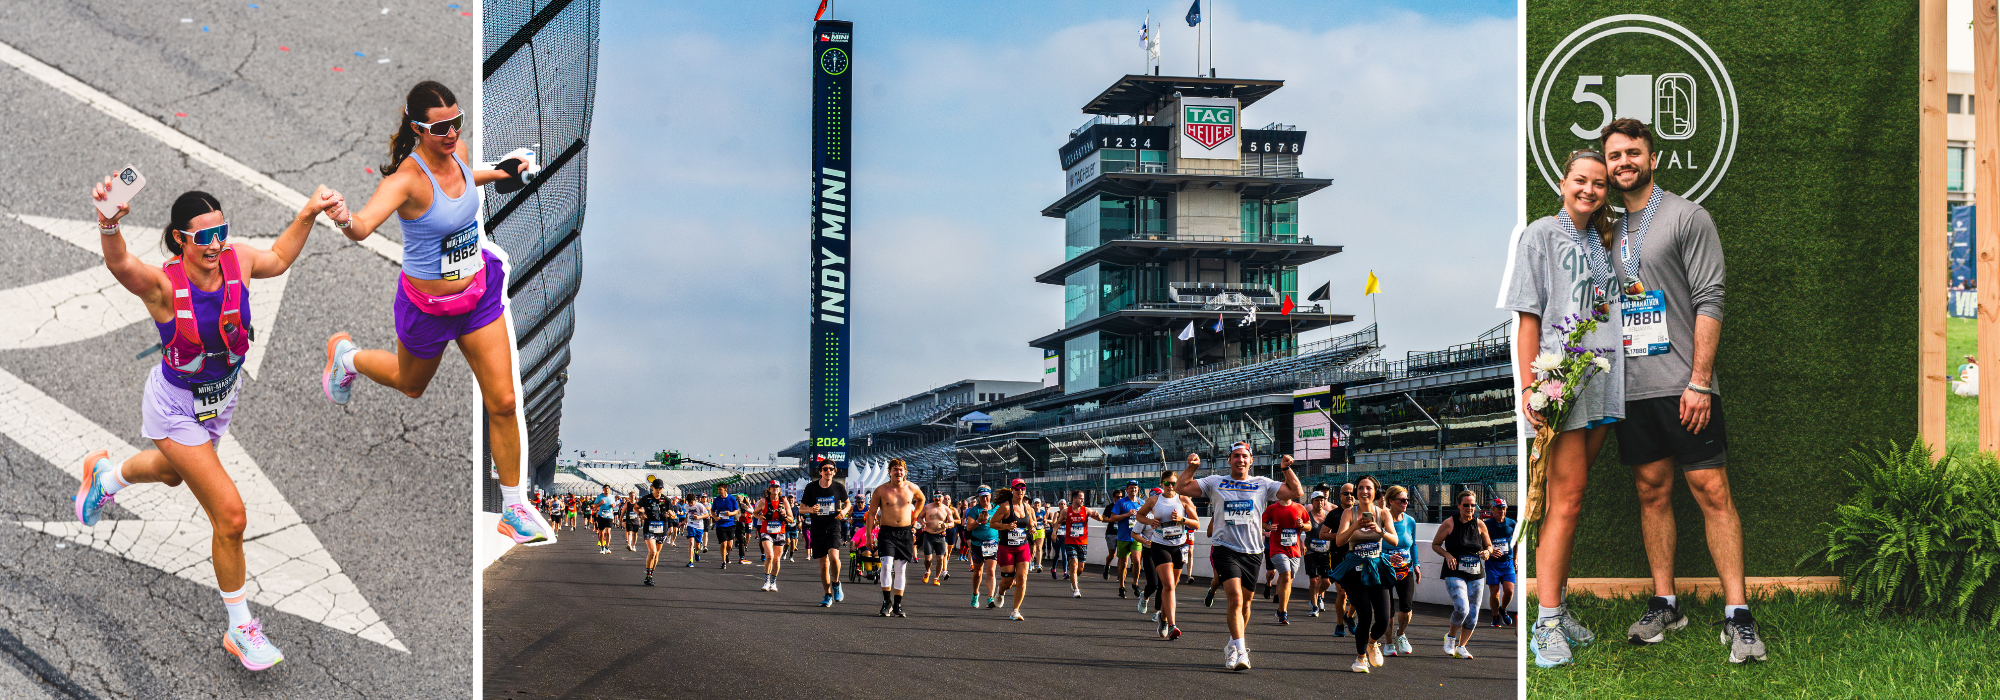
(337, 69)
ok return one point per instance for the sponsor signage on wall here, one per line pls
(1315, 433)
(826, 374)
(1051, 369)
(1208, 128)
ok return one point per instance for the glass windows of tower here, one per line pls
(1100, 359)
(1101, 289)
(1080, 363)
(1108, 218)
(1284, 278)
(1125, 160)
(1266, 221)
(1474, 414)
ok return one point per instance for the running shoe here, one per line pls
(90, 496)
(1243, 659)
(838, 594)
(1004, 597)
(1173, 632)
(885, 608)
(1136, 591)
(1142, 604)
(1121, 591)
(1661, 617)
(1375, 654)
(1016, 615)
(1462, 653)
(1360, 665)
(938, 582)
(1403, 645)
(1578, 634)
(975, 601)
(524, 526)
(1450, 645)
(898, 612)
(690, 565)
(1074, 593)
(248, 643)
(927, 578)
(1740, 633)
(1163, 629)
(826, 602)
(1229, 657)
(1339, 629)
(1284, 619)
(1208, 601)
(745, 561)
(649, 580)
(335, 380)
(1551, 645)
(947, 576)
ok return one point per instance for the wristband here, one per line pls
(344, 226)
(1699, 389)
(111, 230)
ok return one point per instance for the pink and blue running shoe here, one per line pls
(335, 380)
(525, 526)
(248, 643)
(90, 496)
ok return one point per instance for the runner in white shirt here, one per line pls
(1239, 500)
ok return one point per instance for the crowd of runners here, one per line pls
(1354, 542)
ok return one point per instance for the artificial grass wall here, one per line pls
(1817, 215)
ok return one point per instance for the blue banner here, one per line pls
(826, 369)
(1962, 273)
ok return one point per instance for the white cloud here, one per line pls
(692, 325)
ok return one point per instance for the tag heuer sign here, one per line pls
(1645, 68)
(1208, 128)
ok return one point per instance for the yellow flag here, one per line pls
(1374, 285)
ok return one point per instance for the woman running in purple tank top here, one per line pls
(452, 287)
(199, 299)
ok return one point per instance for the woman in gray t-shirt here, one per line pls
(1561, 273)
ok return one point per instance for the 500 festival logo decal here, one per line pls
(1645, 68)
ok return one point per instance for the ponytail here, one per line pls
(190, 204)
(422, 98)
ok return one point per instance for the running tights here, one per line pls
(894, 573)
(1464, 600)
(1403, 590)
(1371, 611)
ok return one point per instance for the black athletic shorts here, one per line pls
(726, 532)
(931, 545)
(896, 542)
(603, 523)
(1156, 554)
(821, 539)
(1318, 564)
(1229, 563)
(1651, 431)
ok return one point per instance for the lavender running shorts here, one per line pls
(425, 335)
(168, 411)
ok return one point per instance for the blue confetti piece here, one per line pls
(452, 6)
(204, 29)
(358, 53)
(253, 6)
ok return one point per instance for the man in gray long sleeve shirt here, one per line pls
(1672, 258)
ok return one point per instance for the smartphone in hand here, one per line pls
(124, 185)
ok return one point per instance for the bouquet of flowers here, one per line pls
(1559, 378)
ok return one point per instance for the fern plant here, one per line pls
(1919, 535)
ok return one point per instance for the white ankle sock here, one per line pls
(346, 360)
(512, 496)
(238, 605)
(1673, 600)
(1545, 612)
(117, 481)
(1729, 611)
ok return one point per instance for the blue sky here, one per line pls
(691, 328)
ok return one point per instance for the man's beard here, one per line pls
(1645, 181)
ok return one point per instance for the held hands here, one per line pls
(98, 193)
(323, 200)
(1534, 417)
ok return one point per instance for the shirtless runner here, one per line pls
(936, 520)
(892, 511)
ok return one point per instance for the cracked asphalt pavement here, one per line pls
(384, 482)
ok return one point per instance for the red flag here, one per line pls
(1287, 308)
(822, 11)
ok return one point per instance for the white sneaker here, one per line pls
(1375, 654)
(1229, 657)
(1360, 666)
(1403, 645)
(1463, 653)
(1003, 599)
(1142, 604)
(248, 643)
(1074, 593)
(1016, 615)
(1243, 659)
(1450, 645)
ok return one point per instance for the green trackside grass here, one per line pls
(1961, 413)
(1819, 648)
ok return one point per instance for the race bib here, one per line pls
(656, 527)
(1017, 537)
(458, 254)
(775, 527)
(1288, 538)
(1238, 512)
(1076, 529)
(1646, 325)
(1320, 545)
(1501, 544)
(989, 548)
(211, 398)
(826, 506)
(1471, 565)
(1368, 549)
(1173, 534)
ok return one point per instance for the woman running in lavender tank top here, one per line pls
(452, 288)
(200, 303)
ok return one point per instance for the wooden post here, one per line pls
(1931, 215)
(1986, 224)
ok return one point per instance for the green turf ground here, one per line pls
(1818, 648)
(1961, 413)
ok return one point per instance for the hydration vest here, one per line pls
(184, 350)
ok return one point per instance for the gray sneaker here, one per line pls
(1661, 617)
(1740, 633)
(1551, 644)
(1577, 633)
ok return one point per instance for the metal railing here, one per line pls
(1194, 238)
(1128, 166)
(909, 415)
(1365, 337)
